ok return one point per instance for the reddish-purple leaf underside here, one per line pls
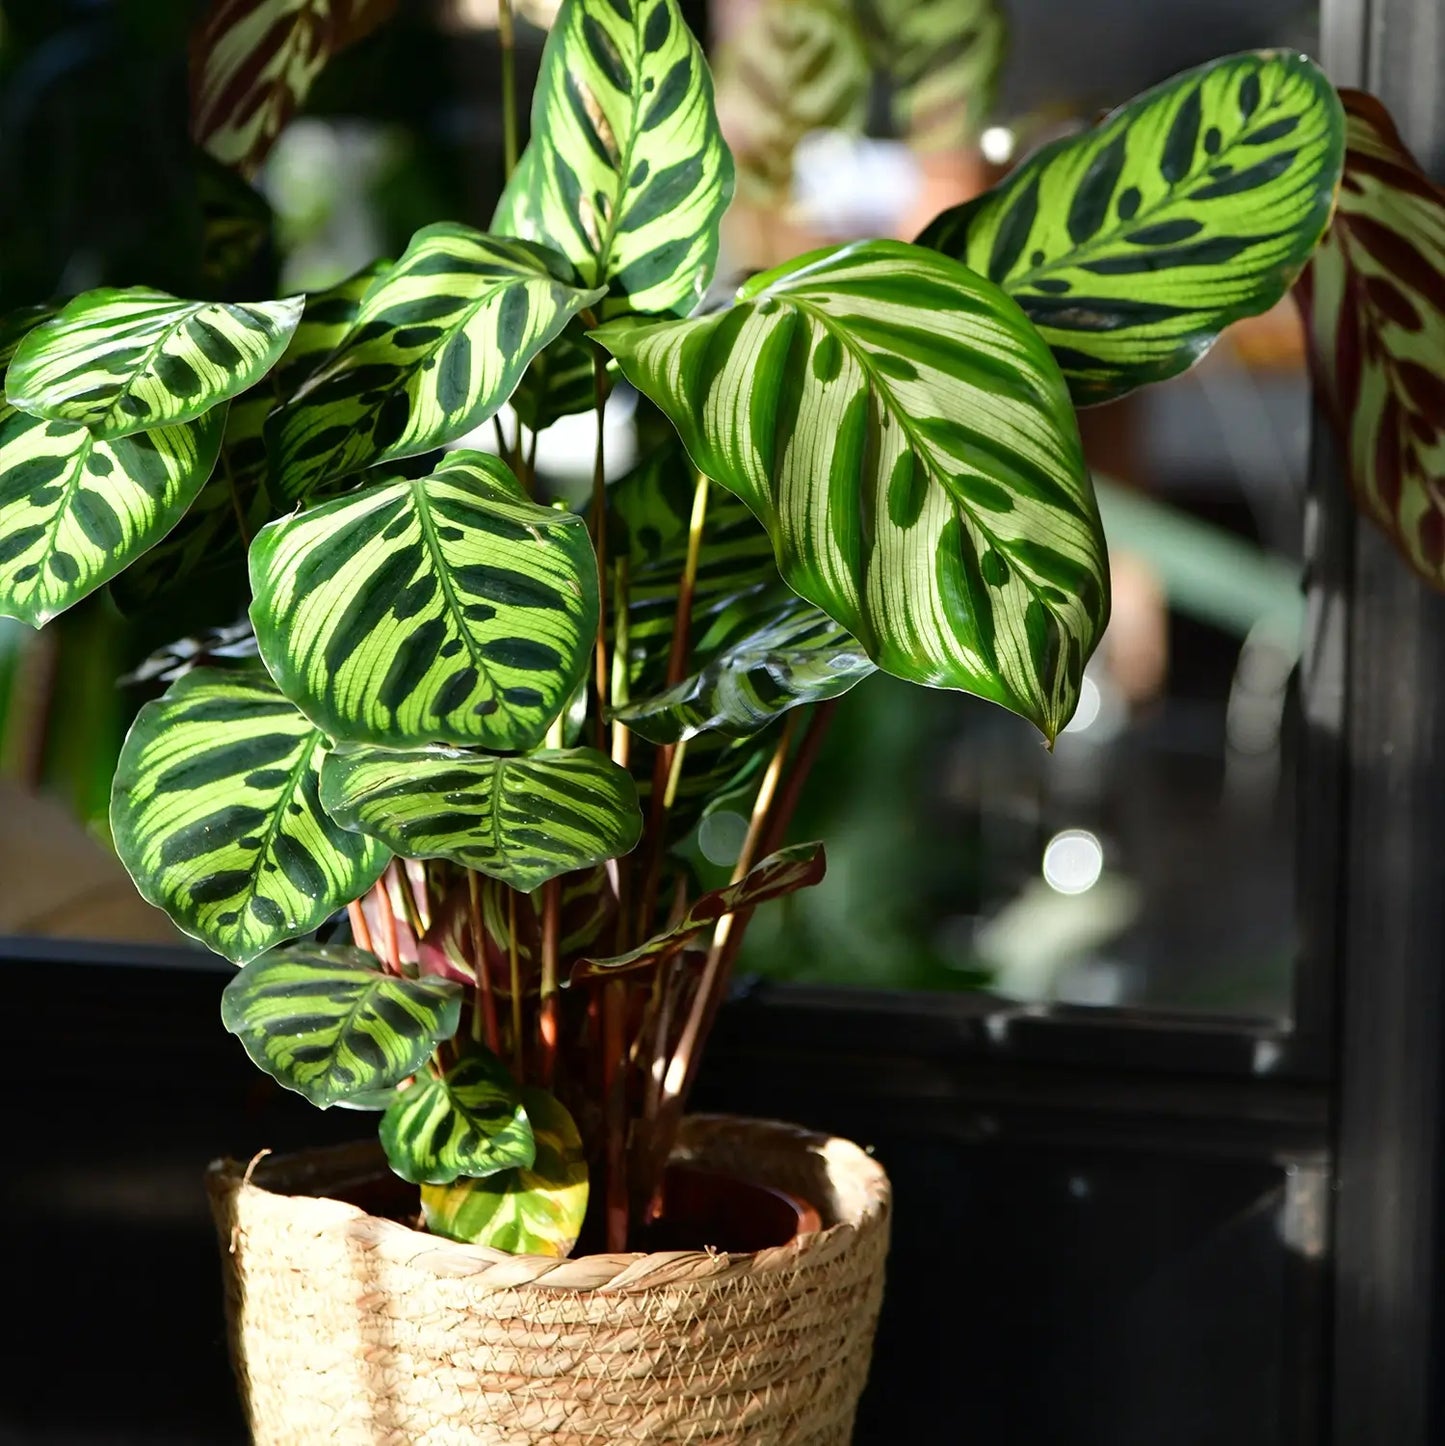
(781, 873)
(1373, 299)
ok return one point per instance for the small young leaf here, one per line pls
(537, 1211)
(626, 174)
(127, 361)
(1132, 246)
(76, 509)
(216, 815)
(908, 442)
(1373, 299)
(793, 654)
(522, 820)
(784, 872)
(447, 608)
(469, 1122)
(439, 342)
(332, 1025)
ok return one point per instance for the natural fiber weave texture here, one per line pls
(352, 1330)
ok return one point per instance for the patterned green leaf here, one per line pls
(447, 608)
(254, 61)
(527, 1212)
(943, 58)
(522, 820)
(216, 814)
(1132, 246)
(1373, 299)
(469, 1122)
(76, 509)
(793, 66)
(784, 872)
(795, 654)
(907, 440)
(126, 361)
(626, 173)
(209, 537)
(440, 341)
(332, 1024)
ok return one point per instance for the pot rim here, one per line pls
(857, 1184)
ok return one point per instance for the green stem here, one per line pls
(599, 542)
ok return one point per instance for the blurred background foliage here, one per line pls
(1147, 861)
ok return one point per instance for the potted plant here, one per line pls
(466, 732)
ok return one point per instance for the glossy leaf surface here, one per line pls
(447, 608)
(908, 442)
(1374, 305)
(439, 342)
(1132, 246)
(626, 173)
(469, 1122)
(333, 1025)
(784, 872)
(793, 654)
(125, 361)
(216, 814)
(943, 59)
(253, 62)
(75, 510)
(536, 1211)
(522, 820)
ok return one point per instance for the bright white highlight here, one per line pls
(1073, 861)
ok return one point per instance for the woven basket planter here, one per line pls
(353, 1330)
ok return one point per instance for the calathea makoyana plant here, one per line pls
(467, 728)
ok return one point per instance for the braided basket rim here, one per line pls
(860, 1205)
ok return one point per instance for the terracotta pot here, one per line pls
(355, 1330)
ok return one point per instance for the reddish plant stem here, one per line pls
(514, 962)
(614, 1088)
(381, 895)
(676, 666)
(547, 1015)
(360, 929)
(484, 1003)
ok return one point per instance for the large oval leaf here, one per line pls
(128, 361)
(333, 1025)
(527, 1212)
(470, 1122)
(75, 509)
(626, 173)
(1132, 246)
(943, 58)
(440, 341)
(522, 820)
(216, 815)
(1374, 303)
(792, 654)
(447, 608)
(908, 442)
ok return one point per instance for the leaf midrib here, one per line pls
(905, 424)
